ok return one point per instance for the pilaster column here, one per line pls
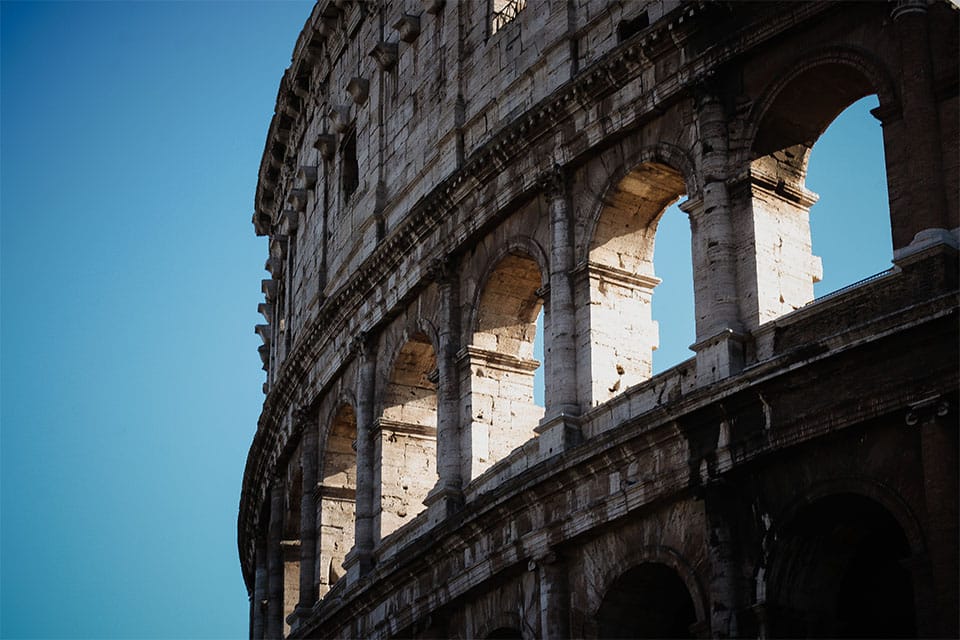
(560, 346)
(924, 164)
(273, 628)
(720, 341)
(359, 560)
(560, 427)
(726, 584)
(938, 449)
(447, 496)
(259, 590)
(308, 425)
(554, 597)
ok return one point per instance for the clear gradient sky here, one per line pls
(130, 138)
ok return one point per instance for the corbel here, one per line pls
(269, 289)
(290, 220)
(266, 310)
(307, 176)
(278, 247)
(265, 333)
(274, 266)
(359, 89)
(408, 27)
(385, 54)
(340, 117)
(264, 352)
(326, 26)
(326, 144)
(298, 199)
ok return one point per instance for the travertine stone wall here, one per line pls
(431, 183)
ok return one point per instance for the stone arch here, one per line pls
(836, 569)
(502, 625)
(497, 364)
(337, 492)
(660, 572)
(518, 245)
(662, 153)
(869, 75)
(782, 128)
(405, 436)
(618, 333)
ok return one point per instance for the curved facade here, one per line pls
(438, 175)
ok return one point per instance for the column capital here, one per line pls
(442, 269)
(363, 344)
(553, 182)
(904, 7)
(927, 410)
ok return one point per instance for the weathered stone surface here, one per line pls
(797, 477)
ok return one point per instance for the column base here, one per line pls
(357, 563)
(719, 356)
(558, 434)
(442, 502)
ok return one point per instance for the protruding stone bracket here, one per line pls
(359, 89)
(269, 289)
(433, 7)
(298, 199)
(340, 117)
(265, 332)
(307, 176)
(264, 352)
(385, 54)
(326, 144)
(278, 247)
(290, 220)
(274, 266)
(408, 26)
(396, 427)
(265, 309)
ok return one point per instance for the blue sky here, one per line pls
(130, 137)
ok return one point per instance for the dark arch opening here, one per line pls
(648, 601)
(838, 572)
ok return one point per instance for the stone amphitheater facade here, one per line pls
(437, 173)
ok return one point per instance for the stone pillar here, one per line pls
(273, 629)
(938, 448)
(726, 586)
(560, 348)
(447, 496)
(554, 597)
(924, 165)
(308, 509)
(358, 561)
(720, 340)
(259, 590)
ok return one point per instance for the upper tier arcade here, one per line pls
(442, 180)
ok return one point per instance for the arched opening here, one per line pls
(619, 276)
(796, 116)
(673, 306)
(648, 601)
(837, 571)
(338, 497)
(499, 395)
(847, 169)
(406, 445)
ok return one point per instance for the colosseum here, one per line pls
(439, 175)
